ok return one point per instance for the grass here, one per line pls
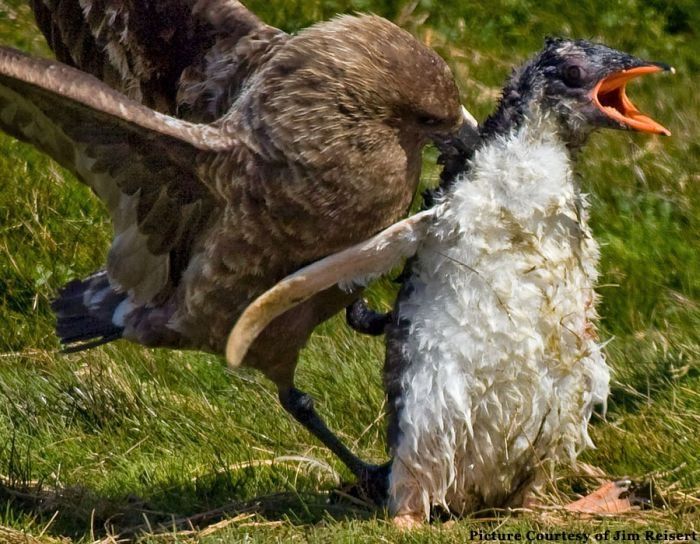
(166, 446)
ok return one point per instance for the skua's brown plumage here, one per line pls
(229, 154)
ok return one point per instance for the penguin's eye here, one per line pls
(573, 75)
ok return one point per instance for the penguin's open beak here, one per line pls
(610, 96)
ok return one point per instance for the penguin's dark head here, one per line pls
(583, 85)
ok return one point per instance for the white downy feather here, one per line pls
(505, 367)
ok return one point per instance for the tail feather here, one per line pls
(84, 313)
(80, 328)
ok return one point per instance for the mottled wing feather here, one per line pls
(139, 162)
(208, 88)
(72, 43)
(182, 57)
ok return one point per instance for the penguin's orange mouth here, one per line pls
(611, 98)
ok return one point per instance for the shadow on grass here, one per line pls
(79, 512)
(629, 394)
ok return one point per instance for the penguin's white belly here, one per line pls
(504, 367)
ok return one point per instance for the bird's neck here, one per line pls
(514, 113)
(525, 173)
